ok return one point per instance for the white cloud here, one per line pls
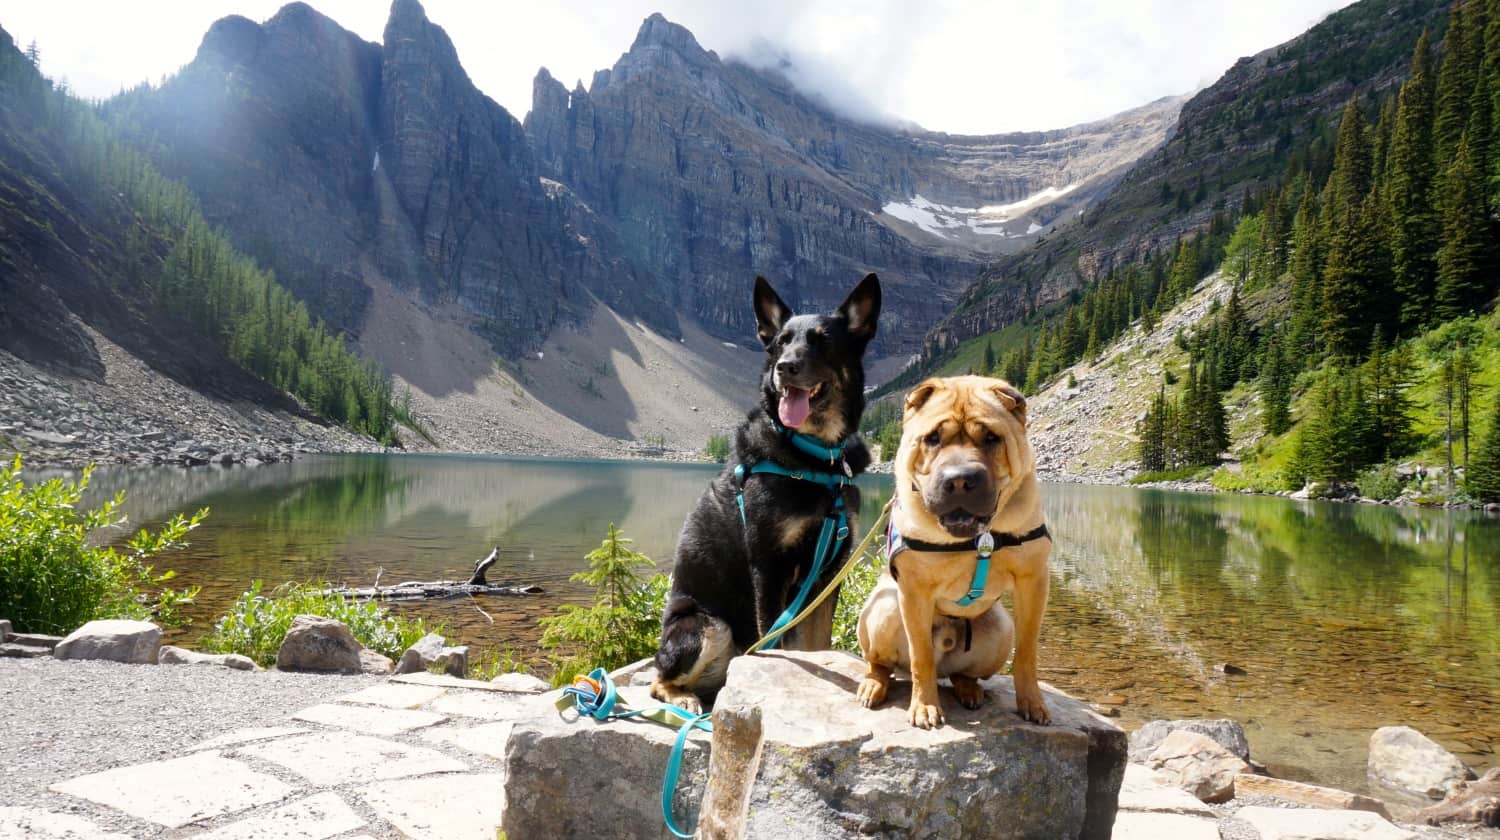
(963, 66)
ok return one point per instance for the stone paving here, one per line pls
(422, 756)
(419, 756)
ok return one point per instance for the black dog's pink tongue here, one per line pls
(794, 406)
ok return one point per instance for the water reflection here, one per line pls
(1345, 617)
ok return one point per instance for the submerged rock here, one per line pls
(1406, 761)
(1228, 733)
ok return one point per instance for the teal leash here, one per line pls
(595, 697)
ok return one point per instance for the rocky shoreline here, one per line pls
(325, 754)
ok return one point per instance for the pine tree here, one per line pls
(1153, 434)
(1275, 387)
(1482, 480)
(1455, 84)
(1414, 224)
(1306, 267)
(1463, 261)
(34, 54)
(989, 358)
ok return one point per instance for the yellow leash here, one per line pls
(854, 558)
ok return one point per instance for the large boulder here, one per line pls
(1228, 733)
(181, 656)
(567, 776)
(1198, 764)
(827, 767)
(115, 640)
(1406, 761)
(315, 643)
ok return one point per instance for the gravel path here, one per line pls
(63, 719)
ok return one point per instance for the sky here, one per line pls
(961, 66)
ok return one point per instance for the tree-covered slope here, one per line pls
(91, 234)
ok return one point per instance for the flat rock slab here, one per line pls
(444, 681)
(491, 705)
(327, 758)
(314, 818)
(1302, 793)
(178, 791)
(571, 777)
(1139, 825)
(831, 768)
(486, 739)
(464, 807)
(37, 824)
(245, 736)
(370, 719)
(114, 640)
(1319, 824)
(394, 695)
(521, 683)
(1146, 792)
(170, 655)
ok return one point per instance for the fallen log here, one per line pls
(416, 590)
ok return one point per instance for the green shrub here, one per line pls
(852, 597)
(1379, 482)
(52, 582)
(256, 625)
(718, 448)
(623, 624)
(492, 663)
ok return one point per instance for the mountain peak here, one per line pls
(657, 32)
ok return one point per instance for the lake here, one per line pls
(1343, 617)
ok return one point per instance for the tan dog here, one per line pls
(965, 650)
(965, 469)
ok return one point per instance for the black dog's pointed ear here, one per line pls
(862, 308)
(770, 311)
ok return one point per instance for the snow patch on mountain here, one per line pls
(948, 221)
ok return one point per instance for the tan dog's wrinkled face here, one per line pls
(963, 448)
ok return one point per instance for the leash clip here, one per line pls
(985, 544)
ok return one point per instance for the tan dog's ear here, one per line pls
(920, 394)
(1012, 400)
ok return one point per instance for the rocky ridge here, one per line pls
(1233, 136)
(659, 190)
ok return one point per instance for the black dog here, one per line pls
(749, 544)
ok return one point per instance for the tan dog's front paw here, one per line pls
(924, 716)
(970, 692)
(1029, 705)
(871, 692)
(690, 704)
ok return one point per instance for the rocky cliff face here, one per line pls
(713, 171)
(1232, 137)
(660, 189)
(338, 162)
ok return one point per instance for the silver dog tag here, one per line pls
(986, 543)
(847, 471)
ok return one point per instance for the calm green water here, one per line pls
(1345, 617)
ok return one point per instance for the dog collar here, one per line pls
(814, 446)
(983, 546)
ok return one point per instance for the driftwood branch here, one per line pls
(415, 590)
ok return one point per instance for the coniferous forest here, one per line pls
(1362, 278)
(190, 267)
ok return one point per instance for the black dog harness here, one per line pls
(983, 546)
